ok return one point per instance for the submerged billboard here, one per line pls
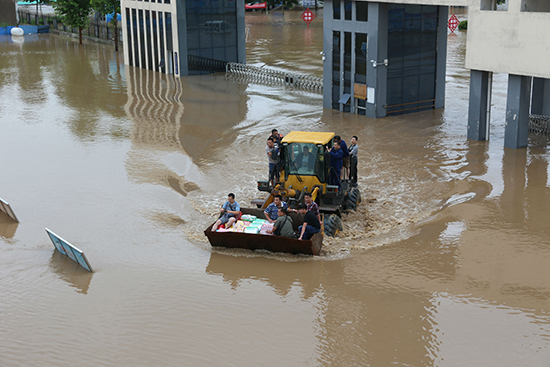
(6, 208)
(70, 250)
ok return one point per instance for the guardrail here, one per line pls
(253, 74)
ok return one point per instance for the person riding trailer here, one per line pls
(230, 209)
(283, 225)
(311, 223)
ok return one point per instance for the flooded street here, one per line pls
(446, 262)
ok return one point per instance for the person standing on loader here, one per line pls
(273, 159)
(353, 150)
(336, 161)
(276, 137)
(345, 157)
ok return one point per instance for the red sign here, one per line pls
(453, 23)
(307, 16)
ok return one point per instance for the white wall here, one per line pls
(511, 41)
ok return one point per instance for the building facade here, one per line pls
(511, 39)
(388, 57)
(183, 37)
(384, 59)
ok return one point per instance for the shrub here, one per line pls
(463, 25)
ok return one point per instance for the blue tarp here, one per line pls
(109, 17)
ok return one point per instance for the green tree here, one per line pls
(108, 7)
(74, 13)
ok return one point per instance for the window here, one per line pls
(211, 34)
(305, 159)
(154, 35)
(129, 40)
(169, 46)
(135, 44)
(361, 67)
(347, 68)
(148, 40)
(361, 58)
(336, 9)
(347, 9)
(412, 56)
(535, 6)
(500, 5)
(361, 11)
(335, 69)
(162, 63)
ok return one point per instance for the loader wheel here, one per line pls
(354, 198)
(333, 225)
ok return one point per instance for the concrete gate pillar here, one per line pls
(479, 105)
(517, 111)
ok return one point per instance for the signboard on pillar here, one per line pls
(370, 95)
(360, 91)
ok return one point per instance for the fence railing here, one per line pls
(539, 124)
(205, 64)
(98, 28)
(253, 74)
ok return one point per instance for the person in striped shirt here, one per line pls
(312, 206)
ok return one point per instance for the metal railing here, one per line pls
(98, 27)
(539, 124)
(205, 64)
(253, 74)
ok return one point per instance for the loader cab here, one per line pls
(305, 159)
(306, 162)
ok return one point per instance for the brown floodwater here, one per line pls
(446, 262)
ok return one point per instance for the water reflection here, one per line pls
(90, 83)
(282, 276)
(194, 114)
(353, 329)
(70, 272)
(526, 197)
(456, 319)
(514, 164)
(7, 226)
(154, 107)
(213, 107)
(472, 185)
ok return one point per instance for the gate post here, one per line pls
(517, 111)
(479, 105)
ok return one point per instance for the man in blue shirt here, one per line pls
(345, 158)
(336, 158)
(230, 210)
(271, 212)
